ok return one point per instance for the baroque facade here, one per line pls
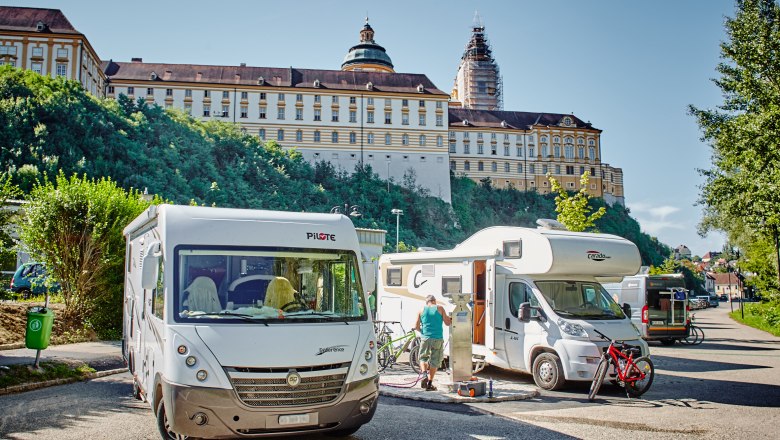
(398, 123)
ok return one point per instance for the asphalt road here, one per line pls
(728, 387)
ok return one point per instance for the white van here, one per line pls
(244, 323)
(536, 296)
(659, 305)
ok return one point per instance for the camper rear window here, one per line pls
(257, 284)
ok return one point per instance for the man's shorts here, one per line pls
(432, 352)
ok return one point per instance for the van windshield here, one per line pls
(266, 285)
(580, 299)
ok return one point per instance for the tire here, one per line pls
(691, 338)
(548, 372)
(164, 428)
(414, 356)
(343, 432)
(637, 388)
(667, 342)
(25, 293)
(699, 335)
(598, 379)
(383, 359)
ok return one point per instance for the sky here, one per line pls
(631, 68)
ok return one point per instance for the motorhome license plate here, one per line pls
(658, 323)
(294, 419)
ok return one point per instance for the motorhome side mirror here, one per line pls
(150, 266)
(524, 312)
(627, 310)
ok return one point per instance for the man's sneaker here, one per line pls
(430, 387)
(424, 383)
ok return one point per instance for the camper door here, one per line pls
(517, 336)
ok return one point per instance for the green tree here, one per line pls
(8, 218)
(573, 210)
(75, 225)
(740, 194)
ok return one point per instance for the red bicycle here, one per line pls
(633, 371)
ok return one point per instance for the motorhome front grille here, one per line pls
(317, 385)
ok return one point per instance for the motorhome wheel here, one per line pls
(548, 372)
(164, 427)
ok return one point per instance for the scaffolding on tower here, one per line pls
(479, 78)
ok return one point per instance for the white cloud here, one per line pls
(654, 219)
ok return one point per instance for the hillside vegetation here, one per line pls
(48, 125)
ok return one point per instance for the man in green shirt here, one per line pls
(429, 323)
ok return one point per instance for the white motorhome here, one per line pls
(659, 305)
(245, 323)
(536, 296)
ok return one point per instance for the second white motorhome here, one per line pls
(245, 323)
(536, 296)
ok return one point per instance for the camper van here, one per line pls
(659, 305)
(536, 297)
(244, 323)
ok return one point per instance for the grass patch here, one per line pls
(24, 374)
(763, 316)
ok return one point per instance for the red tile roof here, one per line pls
(272, 77)
(725, 278)
(14, 18)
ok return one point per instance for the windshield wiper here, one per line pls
(314, 313)
(231, 314)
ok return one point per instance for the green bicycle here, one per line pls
(390, 350)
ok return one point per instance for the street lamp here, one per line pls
(398, 213)
(353, 211)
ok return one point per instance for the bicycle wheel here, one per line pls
(414, 355)
(699, 335)
(383, 352)
(598, 379)
(691, 338)
(636, 388)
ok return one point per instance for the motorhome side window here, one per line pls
(394, 276)
(158, 301)
(521, 293)
(451, 285)
(258, 284)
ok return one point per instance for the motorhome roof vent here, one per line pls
(548, 223)
(426, 249)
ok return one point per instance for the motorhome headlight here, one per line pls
(369, 355)
(363, 368)
(182, 349)
(190, 361)
(201, 375)
(572, 329)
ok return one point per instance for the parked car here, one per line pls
(724, 297)
(714, 302)
(32, 279)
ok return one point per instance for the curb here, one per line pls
(13, 346)
(50, 383)
(413, 393)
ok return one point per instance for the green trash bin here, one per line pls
(39, 323)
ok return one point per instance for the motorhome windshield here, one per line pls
(266, 285)
(578, 299)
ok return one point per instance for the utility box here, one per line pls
(38, 331)
(460, 337)
(471, 388)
